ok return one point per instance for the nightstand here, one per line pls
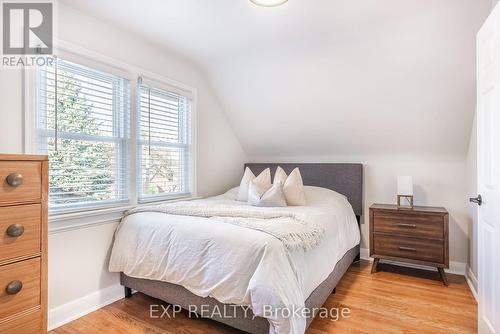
(418, 235)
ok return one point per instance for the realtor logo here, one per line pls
(27, 28)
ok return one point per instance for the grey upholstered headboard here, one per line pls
(344, 178)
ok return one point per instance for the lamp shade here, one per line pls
(405, 185)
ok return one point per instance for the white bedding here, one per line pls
(235, 264)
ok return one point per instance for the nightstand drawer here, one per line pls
(408, 248)
(404, 224)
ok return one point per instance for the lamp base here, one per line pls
(408, 198)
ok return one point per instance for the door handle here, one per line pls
(478, 200)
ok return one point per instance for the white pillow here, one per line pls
(293, 187)
(280, 176)
(261, 195)
(263, 178)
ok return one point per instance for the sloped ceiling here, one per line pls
(325, 77)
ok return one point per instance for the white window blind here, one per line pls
(164, 143)
(83, 124)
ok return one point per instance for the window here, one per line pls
(164, 142)
(83, 125)
(93, 163)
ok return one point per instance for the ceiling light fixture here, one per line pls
(268, 3)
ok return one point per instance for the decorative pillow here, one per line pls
(262, 195)
(248, 176)
(280, 176)
(293, 187)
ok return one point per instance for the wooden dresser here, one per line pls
(23, 246)
(418, 235)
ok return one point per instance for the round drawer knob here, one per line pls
(14, 287)
(14, 179)
(15, 230)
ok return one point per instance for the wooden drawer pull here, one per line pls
(15, 230)
(14, 287)
(14, 179)
(407, 225)
(409, 249)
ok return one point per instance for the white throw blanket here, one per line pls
(233, 264)
(293, 229)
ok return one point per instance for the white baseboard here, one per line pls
(472, 282)
(458, 268)
(75, 309)
(364, 253)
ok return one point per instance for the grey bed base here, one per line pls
(345, 178)
(177, 295)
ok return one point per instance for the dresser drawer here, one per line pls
(430, 226)
(408, 248)
(28, 273)
(30, 188)
(24, 219)
(30, 323)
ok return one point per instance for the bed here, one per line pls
(207, 256)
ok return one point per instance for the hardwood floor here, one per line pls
(385, 302)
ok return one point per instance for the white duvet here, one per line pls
(234, 264)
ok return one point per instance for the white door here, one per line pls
(488, 149)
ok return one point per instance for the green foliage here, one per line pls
(83, 170)
(80, 171)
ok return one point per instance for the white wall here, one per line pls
(358, 77)
(335, 77)
(78, 262)
(439, 181)
(11, 112)
(78, 258)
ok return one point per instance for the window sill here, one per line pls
(63, 222)
(86, 213)
(166, 198)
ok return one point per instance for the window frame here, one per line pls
(82, 56)
(161, 86)
(122, 145)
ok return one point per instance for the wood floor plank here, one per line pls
(394, 300)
